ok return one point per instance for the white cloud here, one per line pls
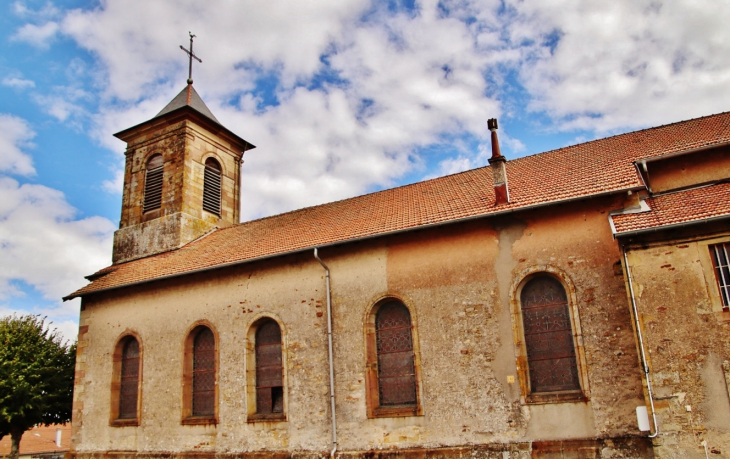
(115, 185)
(43, 245)
(18, 82)
(628, 64)
(15, 133)
(39, 36)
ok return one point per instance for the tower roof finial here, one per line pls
(191, 56)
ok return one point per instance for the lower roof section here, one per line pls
(686, 207)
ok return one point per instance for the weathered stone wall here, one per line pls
(184, 147)
(687, 339)
(459, 282)
(690, 169)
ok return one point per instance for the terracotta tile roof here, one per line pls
(583, 170)
(39, 440)
(687, 206)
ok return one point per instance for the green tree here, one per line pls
(36, 377)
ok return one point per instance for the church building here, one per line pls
(569, 304)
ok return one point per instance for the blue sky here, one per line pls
(341, 99)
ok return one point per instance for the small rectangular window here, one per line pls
(721, 263)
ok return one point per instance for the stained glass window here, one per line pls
(129, 380)
(396, 367)
(204, 373)
(548, 336)
(269, 372)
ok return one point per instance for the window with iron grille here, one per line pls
(548, 333)
(212, 187)
(396, 365)
(204, 373)
(269, 371)
(721, 263)
(153, 184)
(129, 377)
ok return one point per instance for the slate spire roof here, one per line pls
(599, 167)
(188, 96)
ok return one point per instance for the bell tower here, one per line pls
(181, 178)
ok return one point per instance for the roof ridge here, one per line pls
(587, 142)
(372, 193)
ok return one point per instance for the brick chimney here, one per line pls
(498, 164)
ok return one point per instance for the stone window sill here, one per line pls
(556, 397)
(271, 417)
(396, 411)
(124, 422)
(199, 421)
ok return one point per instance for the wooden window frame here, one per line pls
(116, 383)
(252, 415)
(704, 248)
(527, 396)
(207, 171)
(187, 377)
(372, 380)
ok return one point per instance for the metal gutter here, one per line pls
(359, 239)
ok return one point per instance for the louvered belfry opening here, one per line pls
(212, 187)
(153, 184)
(396, 366)
(269, 373)
(129, 380)
(721, 261)
(204, 373)
(548, 336)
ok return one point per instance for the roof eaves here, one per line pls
(671, 226)
(76, 294)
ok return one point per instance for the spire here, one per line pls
(188, 96)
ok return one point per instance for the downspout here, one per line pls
(641, 344)
(332, 364)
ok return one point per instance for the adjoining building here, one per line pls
(488, 313)
(41, 442)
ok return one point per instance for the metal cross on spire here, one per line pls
(191, 56)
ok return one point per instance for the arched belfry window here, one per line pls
(269, 369)
(548, 333)
(126, 382)
(204, 373)
(153, 183)
(212, 187)
(396, 365)
(128, 391)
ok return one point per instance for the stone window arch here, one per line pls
(550, 354)
(212, 186)
(200, 376)
(126, 381)
(393, 368)
(153, 183)
(266, 382)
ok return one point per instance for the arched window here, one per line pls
(200, 391)
(212, 187)
(129, 380)
(392, 381)
(204, 373)
(126, 379)
(548, 333)
(153, 183)
(269, 371)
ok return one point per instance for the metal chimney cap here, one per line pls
(492, 124)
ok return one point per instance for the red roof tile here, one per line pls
(583, 170)
(677, 208)
(40, 439)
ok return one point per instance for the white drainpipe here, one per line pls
(332, 364)
(641, 344)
